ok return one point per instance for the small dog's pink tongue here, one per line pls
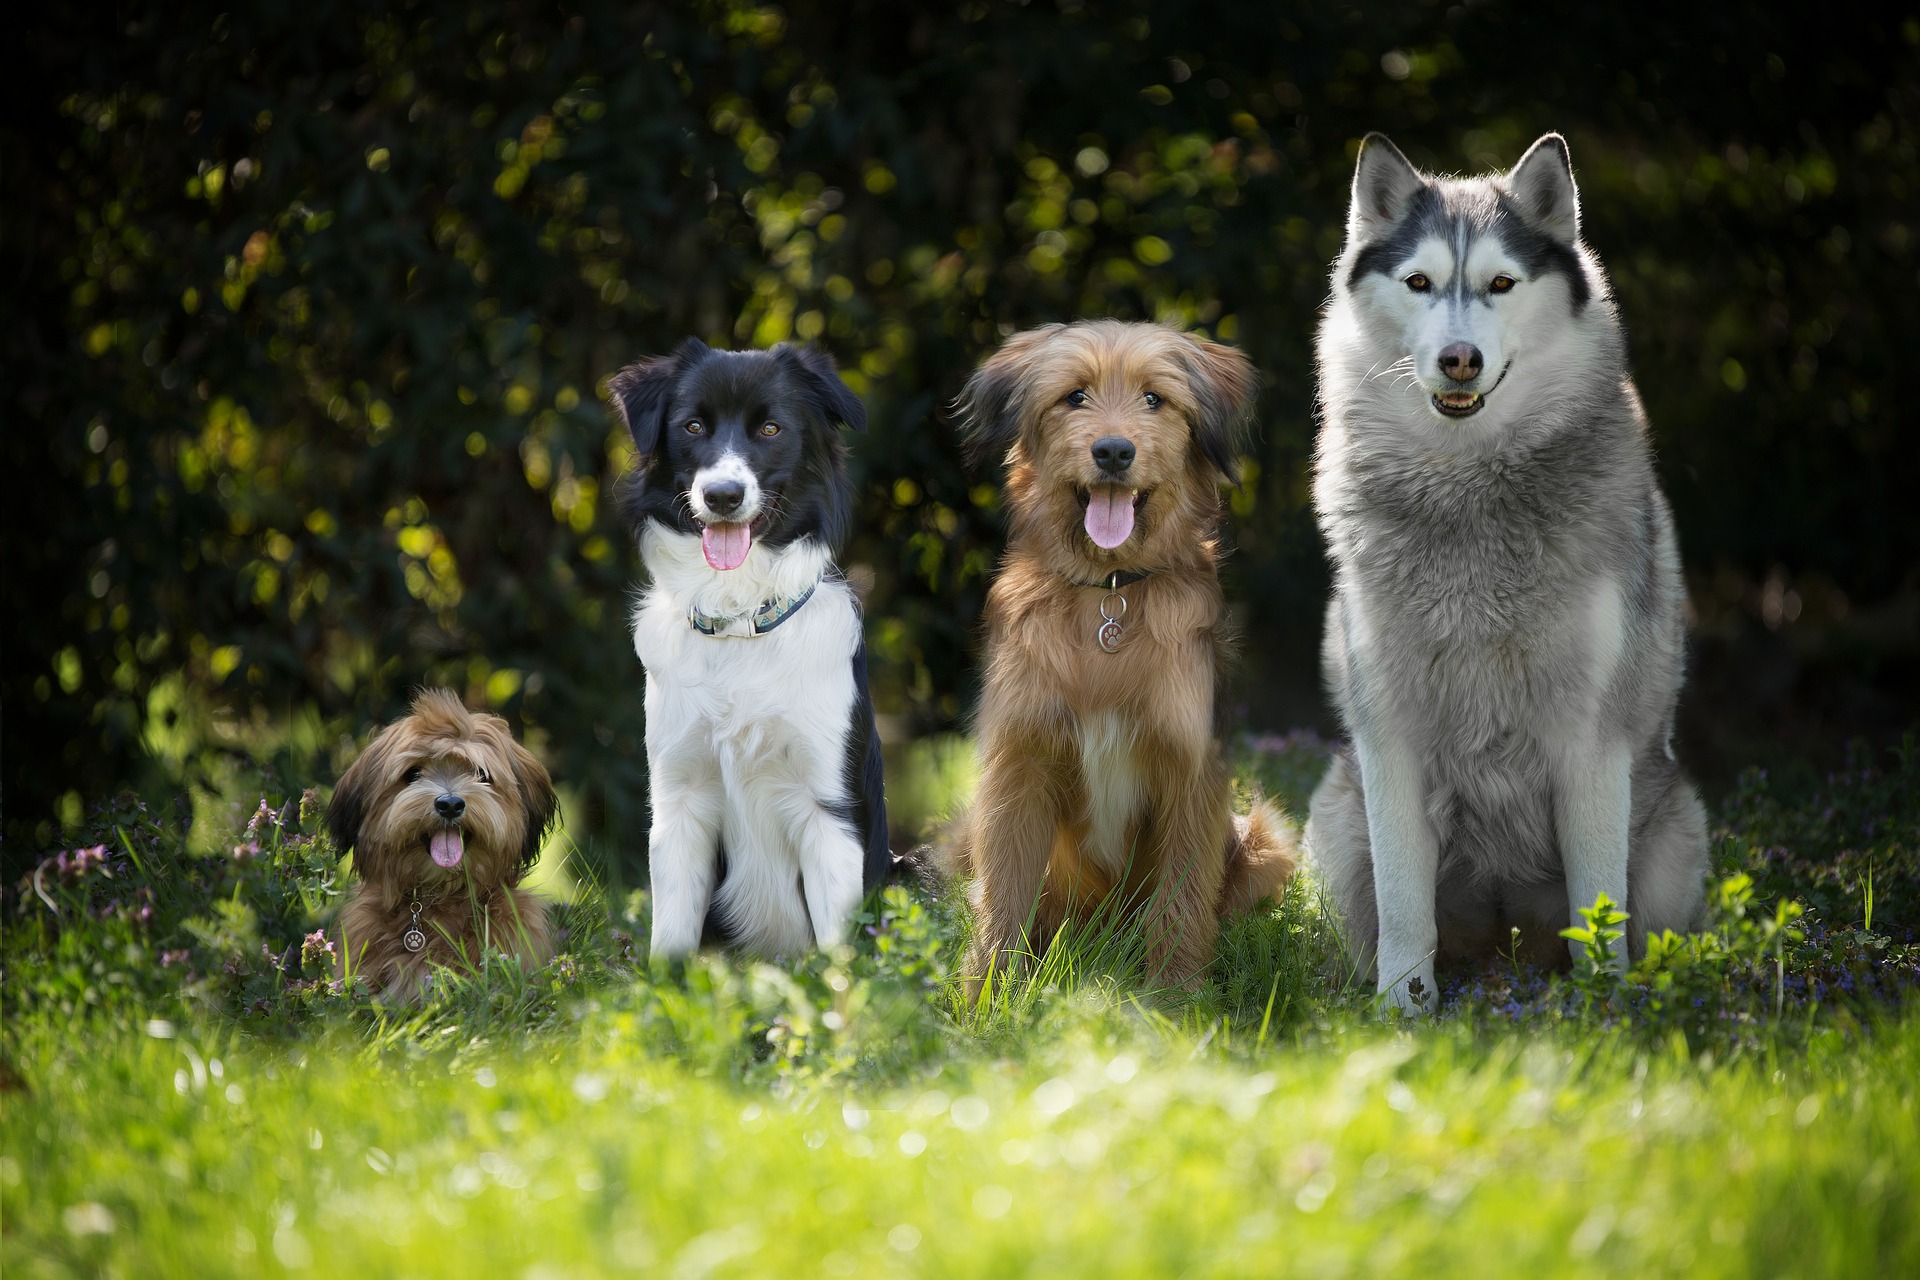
(446, 848)
(1109, 516)
(725, 545)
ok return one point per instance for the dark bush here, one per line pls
(309, 304)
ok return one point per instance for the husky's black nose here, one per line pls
(450, 807)
(1113, 454)
(1461, 362)
(723, 497)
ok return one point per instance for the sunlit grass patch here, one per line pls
(188, 1093)
(1114, 1147)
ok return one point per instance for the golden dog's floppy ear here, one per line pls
(537, 797)
(639, 394)
(354, 797)
(1223, 383)
(992, 405)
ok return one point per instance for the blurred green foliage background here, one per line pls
(308, 306)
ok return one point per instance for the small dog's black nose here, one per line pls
(1113, 454)
(1461, 362)
(723, 497)
(450, 807)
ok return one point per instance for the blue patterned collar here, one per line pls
(750, 626)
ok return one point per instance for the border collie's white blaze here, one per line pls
(728, 533)
(769, 818)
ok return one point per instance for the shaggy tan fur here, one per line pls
(383, 808)
(1073, 737)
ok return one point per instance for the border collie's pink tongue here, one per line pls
(446, 848)
(1109, 515)
(725, 545)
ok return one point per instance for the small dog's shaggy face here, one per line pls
(442, 798)
(1115, 435)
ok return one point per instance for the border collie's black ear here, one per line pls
(1223, 382)
(816, 371)
(639, 393)
(992, 404)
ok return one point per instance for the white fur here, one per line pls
(1406, 864)
(1113, 785)
(1593, 807)
(746, 743)
(729, 466)
(1593, 796)
(1403, 332)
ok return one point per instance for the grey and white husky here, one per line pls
(1505, 640)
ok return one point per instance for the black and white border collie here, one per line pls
(769, 817)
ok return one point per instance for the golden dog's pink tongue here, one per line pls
(446, 848)
(725, 545)
(1109, 516)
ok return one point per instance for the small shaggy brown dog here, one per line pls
(1100, 772)
(444, 812)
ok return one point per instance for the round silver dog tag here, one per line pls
(1109, 635)
(413, 940)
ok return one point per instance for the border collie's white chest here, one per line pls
(747, 736)
(793, 672)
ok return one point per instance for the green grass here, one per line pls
(1116, 1148)
(1746, 1109)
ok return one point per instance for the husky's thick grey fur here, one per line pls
(1505, 640)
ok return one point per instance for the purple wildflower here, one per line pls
(316, 950)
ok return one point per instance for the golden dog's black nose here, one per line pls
(1113, 454)
(449, 807)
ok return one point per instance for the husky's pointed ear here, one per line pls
(1542, 186)
(639, 394)
(1384, 181)
(816, 372)
(993, 404)
(1223, 383)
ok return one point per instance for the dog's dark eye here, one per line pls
(1077, 397)
(486, 779)
(412, 775)
(1502, 284)
(1419, 282)
(695, 427)
(1153, 400)
(769, 428)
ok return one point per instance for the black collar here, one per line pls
(1117, 579)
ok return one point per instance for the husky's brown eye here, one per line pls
(769, 428)
(1153, 400)
(695, 427)
(1077, 397)
(1501, 284)
(1419, 282)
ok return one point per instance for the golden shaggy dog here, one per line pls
(1100, 772)
(444, 812)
